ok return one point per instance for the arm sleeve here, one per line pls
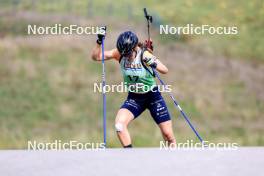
(147, 54)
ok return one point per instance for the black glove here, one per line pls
(101, 35)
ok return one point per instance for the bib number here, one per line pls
(133, 78)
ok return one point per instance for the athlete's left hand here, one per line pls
(149, 44)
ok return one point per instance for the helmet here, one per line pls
(126, 42)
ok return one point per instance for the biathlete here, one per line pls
(136, 65)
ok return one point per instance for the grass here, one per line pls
(56, 102)
(46, 82)
(245, 15)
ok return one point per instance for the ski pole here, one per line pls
(179, 108)
(149, 20)
(104, 94)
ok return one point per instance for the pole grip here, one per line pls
(146, 13)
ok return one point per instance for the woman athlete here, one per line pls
(135, 64)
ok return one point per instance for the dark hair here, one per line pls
(126, 42)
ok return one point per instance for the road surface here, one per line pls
(133, 162)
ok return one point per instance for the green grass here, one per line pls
(46, 85)
(35, 106)
(247, 16)
(57, 103)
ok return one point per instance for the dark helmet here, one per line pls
(126, 42)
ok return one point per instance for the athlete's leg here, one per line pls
(159, 111)
(167, 132)
(123, 118)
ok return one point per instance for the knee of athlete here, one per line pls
(120, 126)
(169, 136)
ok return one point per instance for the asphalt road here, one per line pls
(134, 162)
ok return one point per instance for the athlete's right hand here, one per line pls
(101, 35)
